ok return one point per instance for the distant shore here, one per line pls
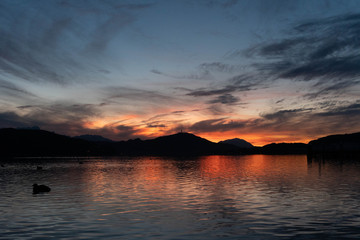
(25, 143)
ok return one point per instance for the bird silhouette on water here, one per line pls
(40, 188)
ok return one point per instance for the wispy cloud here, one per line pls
(106, 31)
(217, 125)
(323, 50)
(306, 122)
(47, 44)
(238, 83)
(225, 99)
(135, 95)
(200, 75)
(10, 89)
(220, 67)
(351, 111)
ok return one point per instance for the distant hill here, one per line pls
(349, 143)
(176, 144)
(40, 143)
(29, 142)
(238, 142)
(284, 148)
(93, 138)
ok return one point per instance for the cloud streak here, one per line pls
(239, 83)
(306, 122)
(49, 44)
(323, 50)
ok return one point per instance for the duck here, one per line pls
(40, 188)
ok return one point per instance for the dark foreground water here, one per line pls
(216, 197)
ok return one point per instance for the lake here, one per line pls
(211, 197)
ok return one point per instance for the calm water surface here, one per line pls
(215, 197)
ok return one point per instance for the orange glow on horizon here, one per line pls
(257, 139)
(141, 130)
(104, 122)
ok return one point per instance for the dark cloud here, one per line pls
(202, 75)
(125, 132)
(335, 117)
(136, 95)
(156, 72)
(67, 119)
(238, 83)
(177, 112)
(312, 121)
(280, 101)
(219, 67)
(324, 51)
(161, 120)
(217, 125)
(12, 120)
(305, 122)
(25, 107)
(209, 92)
(348, 111)
(225, 99)
(156, 125)
(320, 49)
(30, 44)
(46, 44)
(64, 117)
(284, 115)
(10, 89)
(331, 89)
(335, 67)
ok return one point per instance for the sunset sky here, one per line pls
(264, 71)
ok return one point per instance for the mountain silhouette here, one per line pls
(241, 143)
(176, 144)
(93, 138)
(28, 142)
(186, 143)
(40, 143)
(336, 144)
(284, 148)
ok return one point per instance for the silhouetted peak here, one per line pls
(337, 143)
(352, 137)
(238, 142)
(94, 138)
(182, 137)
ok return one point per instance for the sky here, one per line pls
(264, 71)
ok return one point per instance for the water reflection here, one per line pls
(211, 197)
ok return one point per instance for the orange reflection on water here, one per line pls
(229, 167)
(218, 167)
(152, 170)
(171, 180)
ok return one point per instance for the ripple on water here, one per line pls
(245, 197)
